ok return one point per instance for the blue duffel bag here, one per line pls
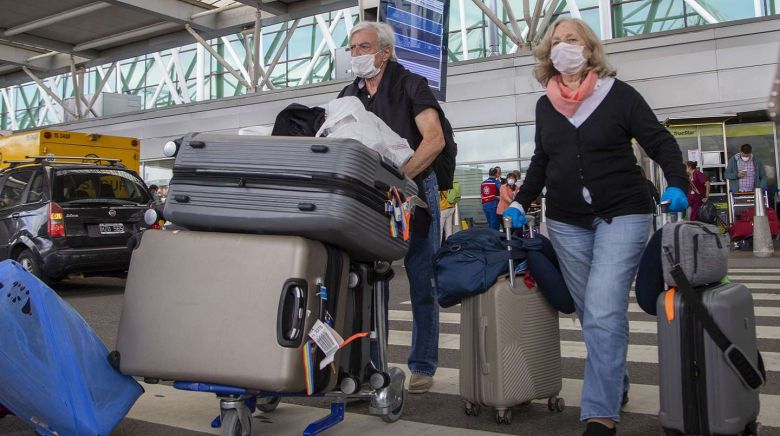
(54, 370)
(470, 262)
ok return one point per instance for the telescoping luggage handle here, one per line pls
(508, 229)
(754, 377)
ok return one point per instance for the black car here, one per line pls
(59, 218)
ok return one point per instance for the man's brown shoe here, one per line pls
(420, 383)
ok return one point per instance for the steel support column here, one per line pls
(279, 52)
(48, 91)
(216, 55)
(492, 16)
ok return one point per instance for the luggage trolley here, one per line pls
(385, 388)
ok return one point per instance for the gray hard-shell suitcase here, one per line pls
(700, 392)
(326, 189)
(510, 349)
(232, 309)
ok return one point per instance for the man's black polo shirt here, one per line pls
(400, 97)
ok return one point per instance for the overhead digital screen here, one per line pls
(420, 28)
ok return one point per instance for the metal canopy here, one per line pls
(48, 37)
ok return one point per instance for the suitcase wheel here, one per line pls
(504, 416)
(471, 409)
(556, 404)
(754, 428)
(267, 404)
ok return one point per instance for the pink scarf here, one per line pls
(566, 101)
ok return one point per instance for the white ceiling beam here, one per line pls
(16, 55)
(125, 36)
(169, 10)
(56, 18)
(605, 19)
(574, 9)
(701, 11)
(273, 7)
(46, 43)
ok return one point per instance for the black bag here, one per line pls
(444, 164)
(298, 120)
(708, 213)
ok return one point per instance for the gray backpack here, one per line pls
(701, 250)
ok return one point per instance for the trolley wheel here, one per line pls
(231, 425)
(556, 404)
(396, 413)
(269, 404)
(753, 429)
(471, 409)
(504, 416)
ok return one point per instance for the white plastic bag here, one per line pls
(256, 130)
(347, 118)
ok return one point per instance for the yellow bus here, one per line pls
(70, 144)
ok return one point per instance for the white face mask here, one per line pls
(568, 58)
(745, 158)
(510, 182)
(363, 66)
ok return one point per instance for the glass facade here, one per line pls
(509, 147)
(308, 59)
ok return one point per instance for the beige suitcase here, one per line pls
(510, 349)
(230, 309)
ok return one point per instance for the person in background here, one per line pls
(745, 171)
(405, 102)
(448, 203)
(489, 191)
(699, 191)
(507, 192)
(598, 205)
(154, 191)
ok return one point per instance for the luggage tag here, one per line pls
(327, 340)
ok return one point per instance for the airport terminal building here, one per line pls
(704, 66)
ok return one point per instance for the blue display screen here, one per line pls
(420, 28)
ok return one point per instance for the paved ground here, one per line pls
(165, 411)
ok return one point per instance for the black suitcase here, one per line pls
(330, 190)
(710, 367)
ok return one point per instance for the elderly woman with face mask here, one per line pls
(598, 206)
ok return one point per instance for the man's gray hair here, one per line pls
(383, 32)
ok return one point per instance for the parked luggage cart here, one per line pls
(385, 388)
(230, 301)
(741, 201)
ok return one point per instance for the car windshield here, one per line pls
(98, 186)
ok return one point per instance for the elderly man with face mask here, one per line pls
(406, 104)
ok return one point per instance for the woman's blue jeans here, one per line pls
(599, 266)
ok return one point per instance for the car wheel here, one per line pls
(30, 264)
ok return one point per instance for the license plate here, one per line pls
(112, 229)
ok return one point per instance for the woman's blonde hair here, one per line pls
(544, 69)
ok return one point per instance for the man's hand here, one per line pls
(515, 213)
(677, 199)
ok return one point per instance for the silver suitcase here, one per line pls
(231, 309)
(510, 349)
(327, 189)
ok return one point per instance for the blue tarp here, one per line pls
(54, 371)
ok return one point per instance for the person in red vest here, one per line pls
(489, 190)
